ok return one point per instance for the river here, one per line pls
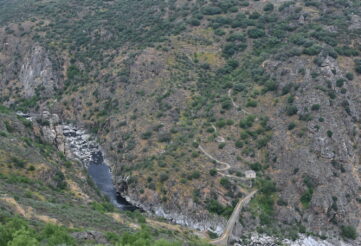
(84, 148)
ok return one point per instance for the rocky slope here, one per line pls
(271, 86)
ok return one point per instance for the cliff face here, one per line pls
(321, 153)
(269, 86)
(27, 69)
(36, 74)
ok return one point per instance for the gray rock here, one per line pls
(37, 73)
(94, 236)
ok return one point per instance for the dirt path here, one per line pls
(223, 240)
(234, 103)
(221, 170)
(27, 212)
(227, 165)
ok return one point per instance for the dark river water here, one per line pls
(101, 174)
(102, 177)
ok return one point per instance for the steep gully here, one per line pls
(85, 149)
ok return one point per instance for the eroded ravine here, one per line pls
(80, 145)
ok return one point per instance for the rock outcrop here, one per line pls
(37, 74)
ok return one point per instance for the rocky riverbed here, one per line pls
(77, 144)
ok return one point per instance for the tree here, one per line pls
(23, 237)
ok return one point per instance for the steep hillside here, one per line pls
(47, 199)
(186, 96)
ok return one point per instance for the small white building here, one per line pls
(250, 174)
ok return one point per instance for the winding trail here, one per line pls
(227, 165)
(234, 103)
(221, 170)
(223, 240)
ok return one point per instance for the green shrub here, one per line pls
(9, 127)
(291, 126)
(313, 50)
(195, 22)
(348, 232)
(209, 10)
(329, 133)
(4, 110)
(147, 135)
(163, 177)
(238, 144)
(256, 166)
(56, 235)
(194, 175)
(350, 76)
(340, 82)
(221, 145)
(18, 162)
(268, 7)
(254, 15)
(213, 172)
(266, 186)
(256, 33)
(291, 110)
(307, 197)
(226, 183)
(251, 103)
(247, 122)
(315, 107)
(358, 66)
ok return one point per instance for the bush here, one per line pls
(164, 137)
(315, 107)
(232, 48)
(349, 76)
(238, 144)
(254, 15)
(340, 82)
(226, 183)
(251, 103)
(4, 110)
(291, 126)
(213, 172)
(313, 50)
(147, 135)
(209, 10)
(358, 66)
(307, 197)
(256, 33)
(329, 133)
(247, 122)
(291, 110)
(256, 166)
(268, 7)
(237, 36)
(221, 145)
(348, 232)
(18, 162)
(56, 235)
(163, 177)
(195, 22)
(195, 175)
(59, 179)
(267, 187)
